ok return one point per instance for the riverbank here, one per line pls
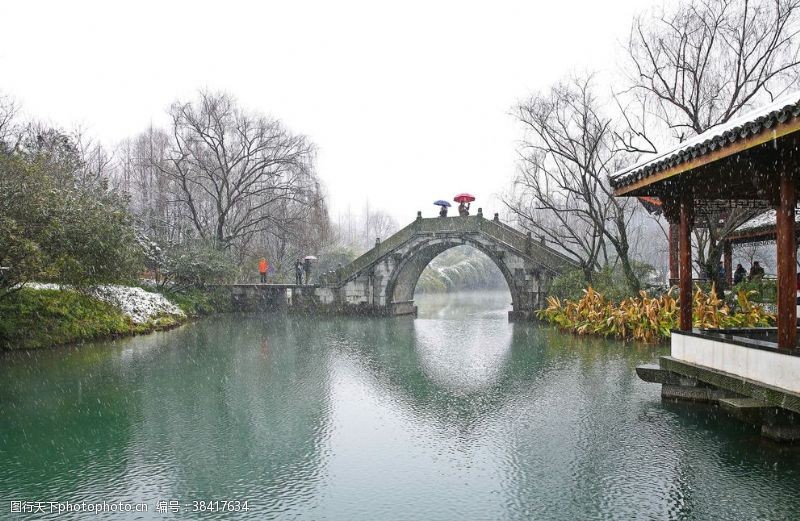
(36, 317)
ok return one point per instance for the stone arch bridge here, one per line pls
(383, 279)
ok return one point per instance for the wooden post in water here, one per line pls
(686, 211)
(787, 264)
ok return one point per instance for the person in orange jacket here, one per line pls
(262, 268)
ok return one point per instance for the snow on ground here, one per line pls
(137, 303)
(41, 285)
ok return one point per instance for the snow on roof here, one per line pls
(722, 135)
(767, 219)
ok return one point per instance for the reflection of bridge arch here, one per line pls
(384, 278)
(393, 354)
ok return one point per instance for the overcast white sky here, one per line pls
(408, 101)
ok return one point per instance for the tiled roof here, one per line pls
(783, 109)
(766, 220)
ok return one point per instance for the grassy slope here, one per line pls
(33, 319)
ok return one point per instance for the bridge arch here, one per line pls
(383, 279)
(405, 276)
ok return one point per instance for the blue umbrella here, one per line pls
(442, 202)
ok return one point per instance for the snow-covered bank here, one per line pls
(40, 316)
(140, 305)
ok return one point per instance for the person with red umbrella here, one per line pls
(463, 200)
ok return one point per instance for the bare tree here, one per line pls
(140, 162)
(307, 231)
(382, 225)
(233, 169)
(561, 191)
(699, 65)
(8, 114)
(359, 231)
(97, 163)
(375, 224)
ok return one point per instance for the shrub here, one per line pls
(197, 302)
(53, 227)
(31, 319)
(765, 291)
(570, 285)
(196, 264)
(648, 318)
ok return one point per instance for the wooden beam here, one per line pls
(770, 134)
(787, 264)
(685, 248)
(727, 262)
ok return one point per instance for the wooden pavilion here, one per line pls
(750, 162)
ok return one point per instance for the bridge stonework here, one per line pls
(383, 280)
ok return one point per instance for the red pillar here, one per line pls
(674, 274)
(727, 263)
(686, 263)
(787, 262)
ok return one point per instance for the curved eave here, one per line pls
(769, 134)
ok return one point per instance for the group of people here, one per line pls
(756, 273)
(463, 210)
(300, 267)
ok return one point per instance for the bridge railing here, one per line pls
(420, 225)
(469, 224)
(522, 242)
(374, 254)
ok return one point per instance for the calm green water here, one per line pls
(455, 415)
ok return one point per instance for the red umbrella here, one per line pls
(464, 198)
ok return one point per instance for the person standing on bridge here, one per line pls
(263, 266)
(298, 272)
(463, 201)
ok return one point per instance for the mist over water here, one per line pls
(457, 414)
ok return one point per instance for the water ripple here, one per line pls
(455, 415)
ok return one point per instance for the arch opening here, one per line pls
(460, 268)
(403, 282)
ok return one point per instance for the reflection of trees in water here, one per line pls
(627, 455)
(240, 419)
(65, 422)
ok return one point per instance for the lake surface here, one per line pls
(457, 414)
